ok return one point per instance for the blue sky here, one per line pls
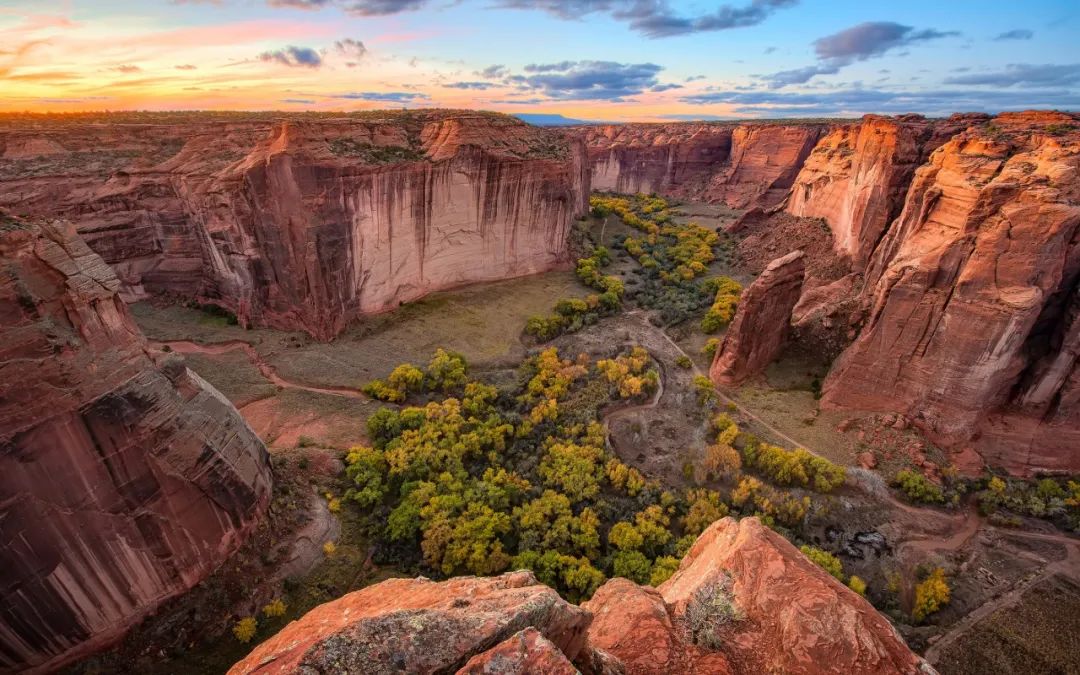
(594, 59)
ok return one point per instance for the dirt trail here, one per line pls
(1068, 566)
(267, 371)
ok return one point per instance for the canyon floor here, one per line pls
(1015, 589)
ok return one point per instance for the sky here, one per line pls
(611, 60)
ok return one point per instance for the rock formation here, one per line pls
(765, 159)
(305, 222)
(660, 158)
(123, 482)
(857, 176)
(740, 165)
(757, 333)
(743, 601)
(972, 298)
(420, 626)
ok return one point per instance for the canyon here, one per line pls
(125, 478)
(306, 223)
(960, 239)
(951, 292)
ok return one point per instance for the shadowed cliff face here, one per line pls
(787, 615)
(123, 481)
(972, 294)
(307, 223)
(741, 165)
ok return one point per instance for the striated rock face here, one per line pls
(787, 615)
(857, 176)
(420, 626)
(122, 482)
(741, 165)
(757, 333)
(972, 297)
(765, 159)
(661, 158)
(308, 222)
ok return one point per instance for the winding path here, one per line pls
(256, 359)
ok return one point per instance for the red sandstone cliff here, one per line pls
(857, 176)
(743, 601)
(122, 482)
(762, 319)
(307, 222)
(741, 165)
(972, 325)
(661, 158)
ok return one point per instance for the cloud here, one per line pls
(690, 117)
(858, 43)
(471, 85)
(1023, 75)
(656, 18)
(127, 68)
(665, 87)
(186, 66)
(355, 7)
(303, 57)
(382, 96)
(586, 80)
(492, 72)
(351, 49)
(871, 39)
(855, 101)
(694, 77)
(304, 101)
(1015, 34)
(770, 50)
(652, 18)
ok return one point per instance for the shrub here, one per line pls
(274, 609)
(710, 347)
(825, 560)
(794, 467)
(632, 565)
(930, 595)
(918, 487)
(723, 308)
(683, 361)
(857, 584)
(706, 392)
(245, 628)
(329, 548)
(710, 610)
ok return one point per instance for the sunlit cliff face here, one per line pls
(615, 60)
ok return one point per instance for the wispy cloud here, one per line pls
(1015, 34)
(302, 57)
(1024, 75)
(858, 43)
(583, 80)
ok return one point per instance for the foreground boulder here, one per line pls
(744, 590)
(743, 601)
(420, 626)
(761, 322)
(122, 482)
